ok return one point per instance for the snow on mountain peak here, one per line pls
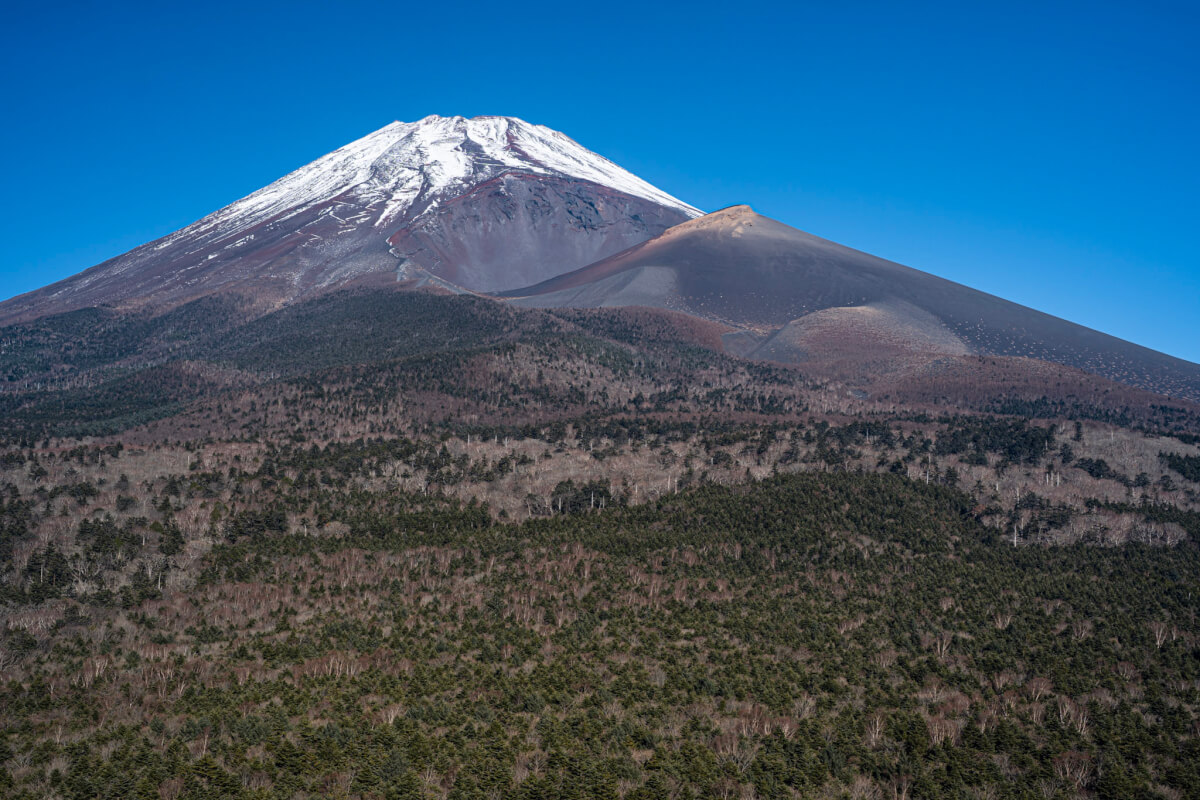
(404, 168)
(450, 151)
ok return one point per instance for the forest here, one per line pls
(552, 555)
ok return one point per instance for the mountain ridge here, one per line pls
(770, 280)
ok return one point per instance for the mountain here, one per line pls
(792, 297)
(493, 204)
(485, 204)
(398, 539)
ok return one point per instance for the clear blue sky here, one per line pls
(1044, 152)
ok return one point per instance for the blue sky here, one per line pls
(1044, 152)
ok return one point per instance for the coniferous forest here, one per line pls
(469, 551)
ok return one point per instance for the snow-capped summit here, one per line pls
(407, 167)
(488, 204)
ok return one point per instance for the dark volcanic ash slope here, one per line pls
(518, 228)
(794, 293)
(489, 203)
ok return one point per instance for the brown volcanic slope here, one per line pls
(798, 297)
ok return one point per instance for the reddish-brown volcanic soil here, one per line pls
(797, 297)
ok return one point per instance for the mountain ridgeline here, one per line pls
(792, 297)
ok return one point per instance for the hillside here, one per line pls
(794, 297)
